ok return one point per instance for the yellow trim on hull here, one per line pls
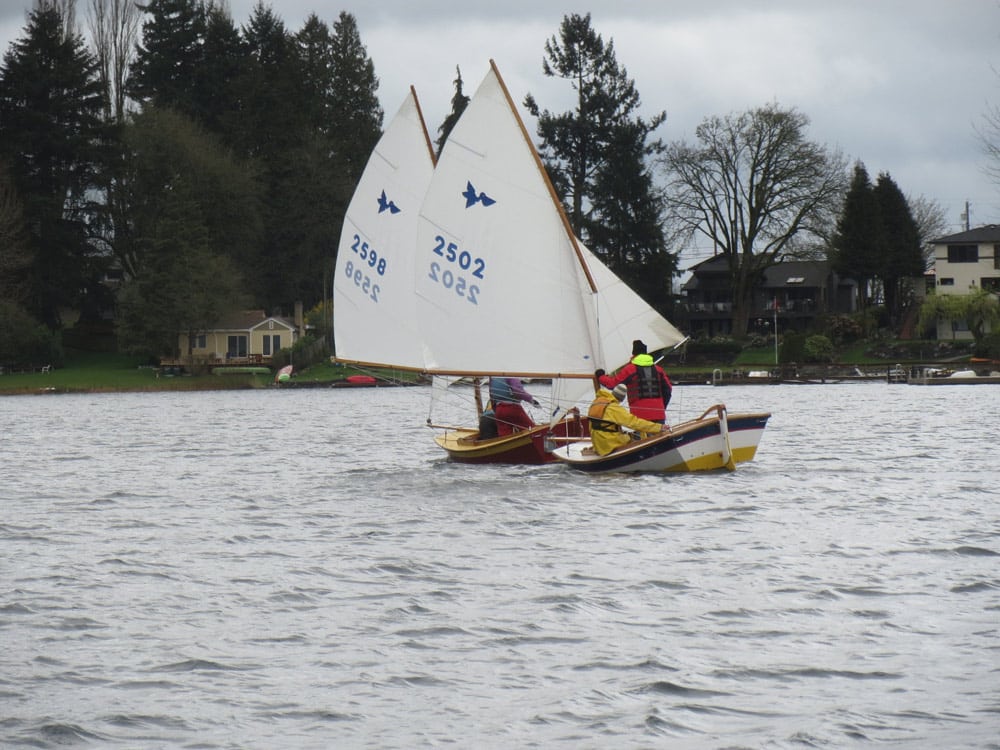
(452, 442)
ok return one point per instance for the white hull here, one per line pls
(713, 441)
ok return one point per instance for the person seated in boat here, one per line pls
(488, 425)
(507, 395)
(649, 388)
(607, 417)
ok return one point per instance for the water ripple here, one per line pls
(306, 583)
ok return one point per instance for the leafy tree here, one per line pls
(979, 310)
(459, 101)
(183, 286)
(52, 138)
(164, 148)
(757, 189)
(596, 156)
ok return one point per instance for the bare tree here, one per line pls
(931, 224)
(989, 138)
(757, 189)
(114, 28)
(66, 10)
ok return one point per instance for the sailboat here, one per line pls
(487, 281)
(374, 308)
(503, 286)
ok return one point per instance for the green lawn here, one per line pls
(89, 372)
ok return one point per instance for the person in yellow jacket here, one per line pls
(607, 417)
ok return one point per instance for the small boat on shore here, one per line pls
(942, 376)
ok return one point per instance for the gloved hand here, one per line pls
(534, 402)
(599, 373)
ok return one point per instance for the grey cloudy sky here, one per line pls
(898, 84)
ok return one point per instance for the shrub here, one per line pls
(793, 348)
(24, 342)
(845, 329)
(818, 348)
(307, 351)
(989, 346)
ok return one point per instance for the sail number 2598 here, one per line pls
(455, 278)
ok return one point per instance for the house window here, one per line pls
(996, 256)
(990, 283)
(946, 282)
(272, 345)
(963, 253)
(198, 342)
(237, 346)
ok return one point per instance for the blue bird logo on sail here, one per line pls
(384, 204)
(472, 197)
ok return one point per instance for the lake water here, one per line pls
(302, 569)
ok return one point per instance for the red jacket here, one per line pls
(649, 388)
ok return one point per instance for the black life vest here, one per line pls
(647, 383)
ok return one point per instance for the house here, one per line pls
(792, 294)
(248, 337)
(964, 262)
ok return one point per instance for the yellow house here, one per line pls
(964, 262)
(248, 337)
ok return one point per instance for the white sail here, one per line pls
(499, 279)
(623, 316)
(374, 311)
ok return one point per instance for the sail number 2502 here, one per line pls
(455, 278)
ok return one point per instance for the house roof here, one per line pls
(985, 233)
(716, 263)
(788, 273)
(796, 273)
(247, 320)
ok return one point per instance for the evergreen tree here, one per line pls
(596, 156)
(52, 137)
(630, 229)
(357, 114)
(15, 256)
(273, 116)
(458, 104)
(901, 254)
(314, 47)
(857, 238)
(170, 63)
(221, 73)
(878, 243)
